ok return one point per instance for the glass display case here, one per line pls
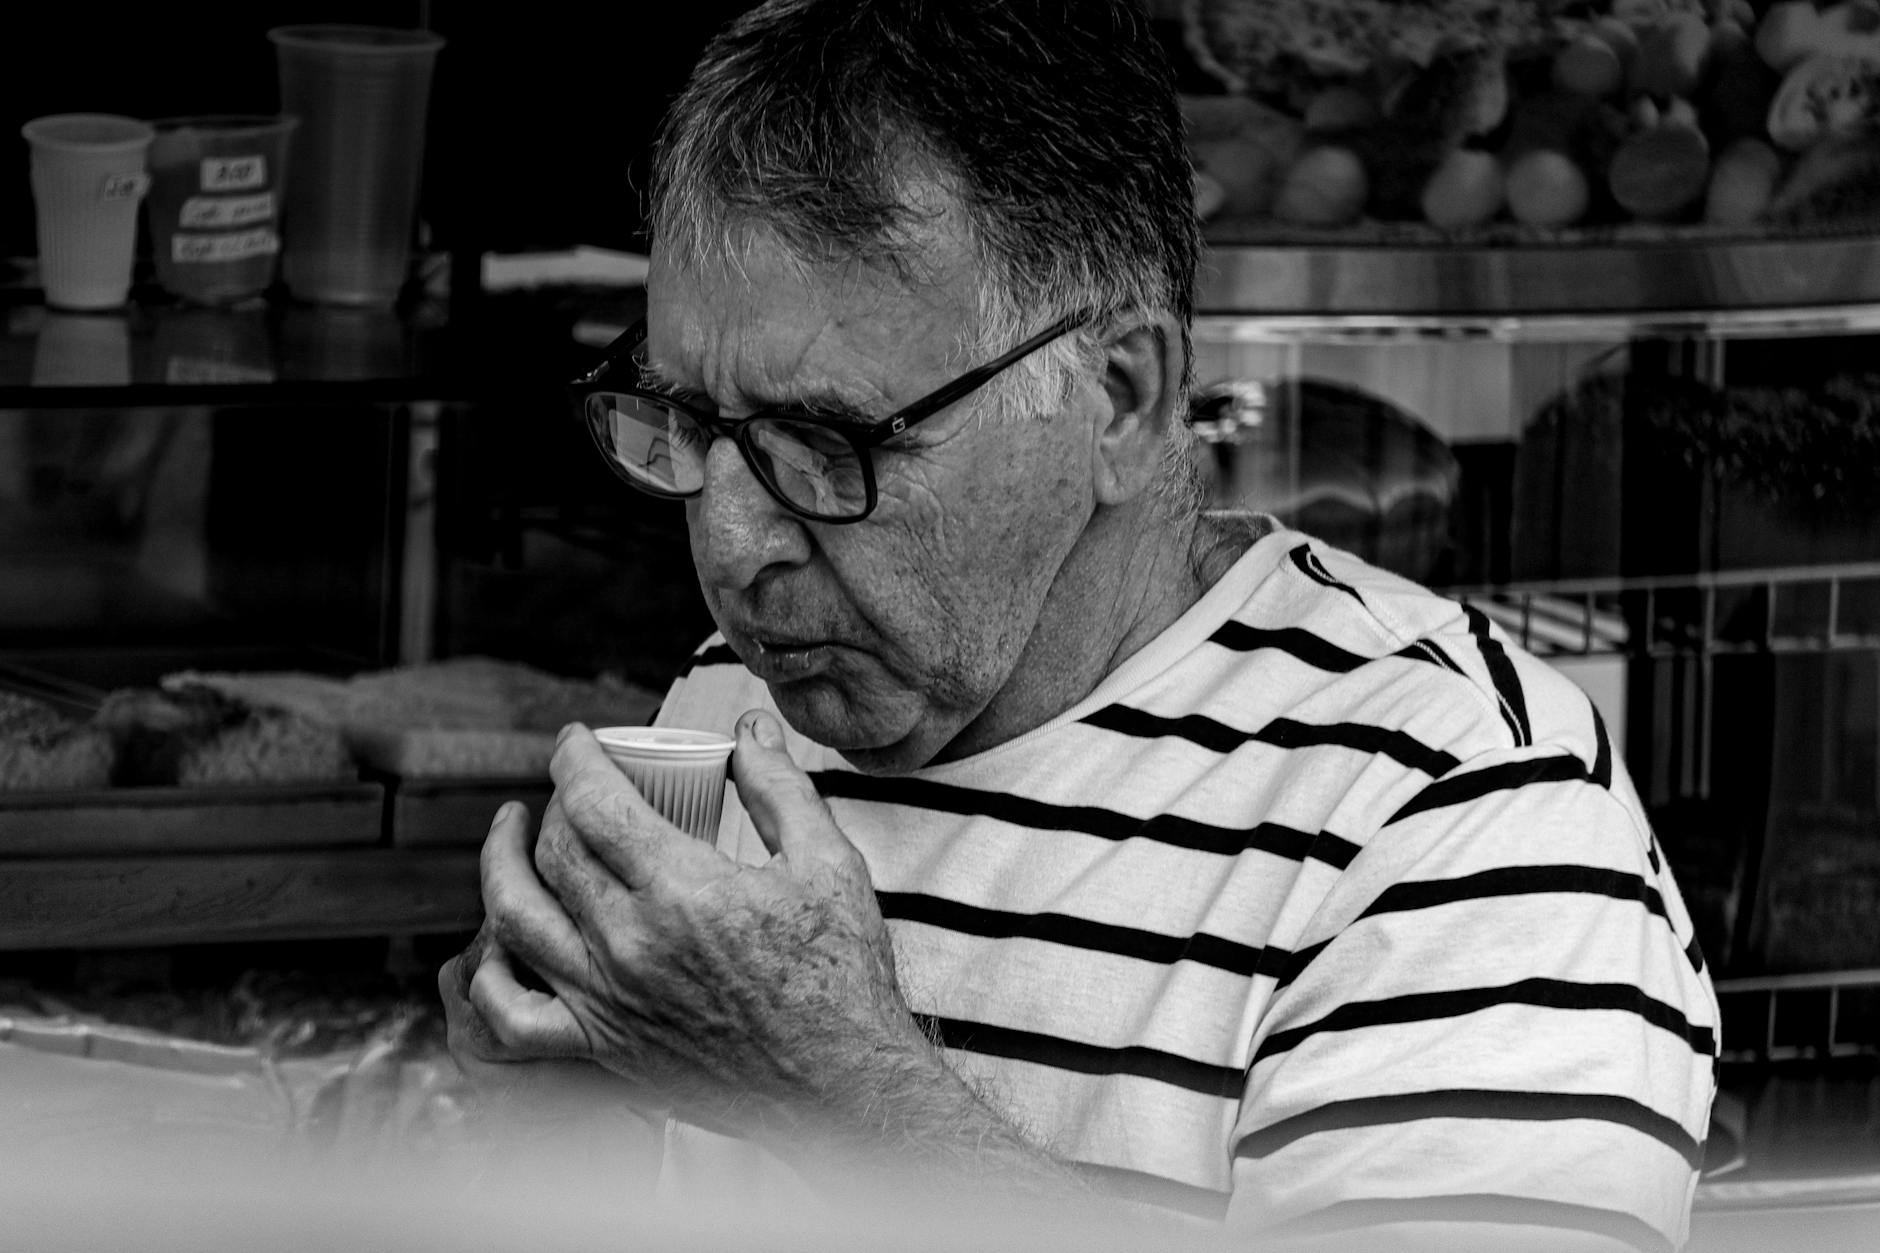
(1659, 470)
(315, 491)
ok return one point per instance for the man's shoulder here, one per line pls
(1366, 635)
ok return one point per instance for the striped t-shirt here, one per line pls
(1328, 908)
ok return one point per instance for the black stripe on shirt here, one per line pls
(1602, 759)
(1287, 733)
(1147, 1189)
(1023, 811)
(1296, 642)
(1473, 1103)
(719, 654)
(1296, 963)
(1509, 776)
(1430, 651)
(1319, 653)
(1313, 569)
(1501, 674)
(1489, 884)
(1546, 993)
(1517, 881)
(1078, 933)
(1085, 1059)
(1354, 1216)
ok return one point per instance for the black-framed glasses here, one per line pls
(817, 467)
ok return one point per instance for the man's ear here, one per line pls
(1141, 378)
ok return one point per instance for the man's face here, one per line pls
(887, 638)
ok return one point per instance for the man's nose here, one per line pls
(738, 528)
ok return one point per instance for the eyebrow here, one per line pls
(826, 403)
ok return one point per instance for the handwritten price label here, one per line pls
(234, 173)
(237, 247)
(212, 212)
(123, 187)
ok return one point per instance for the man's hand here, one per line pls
(749, 995)
(758, 1000)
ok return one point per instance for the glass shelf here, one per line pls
(158, 352)
(1803, 285)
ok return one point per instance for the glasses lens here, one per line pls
(652, 445)
(809, 465)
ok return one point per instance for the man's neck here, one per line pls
(1129, 578)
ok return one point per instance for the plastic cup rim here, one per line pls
(356, 38)
(665, 743)
(221, 122)
(138, 134)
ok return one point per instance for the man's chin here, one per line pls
(818, 712)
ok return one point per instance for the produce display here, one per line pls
(1533, 120)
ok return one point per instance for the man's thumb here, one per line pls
(784, 806)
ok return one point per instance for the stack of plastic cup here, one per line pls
(88, 177)
(361, 94)
(680, 773)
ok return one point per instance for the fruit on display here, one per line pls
(1547, 188)
(1660, 170)
(1467, 189)
(1521, 118)
(1742, 183)
(1825, 94)
(1326, 186)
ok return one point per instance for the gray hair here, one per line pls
(1045, 133)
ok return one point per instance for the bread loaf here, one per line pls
(41, 748)
(192, 736)
(465, 717)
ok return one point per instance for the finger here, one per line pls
(606, 811)
(520, 914)
(526, 1023)
(453, 977)
(580, 881)
(468, 1037)
(786, 809)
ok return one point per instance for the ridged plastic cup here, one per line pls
(215, 204)
(680, 773)
(362, 94)
(88, 176)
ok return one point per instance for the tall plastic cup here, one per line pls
(680, 773)
(361, 94)
(215, 204)
(88, 176)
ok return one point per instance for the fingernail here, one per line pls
(502, 812)
(765, 731)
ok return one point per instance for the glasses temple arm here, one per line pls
(975, 379)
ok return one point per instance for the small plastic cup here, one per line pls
(216, 186)
(680, 773)
(87, 176)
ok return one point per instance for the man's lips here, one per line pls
(779, 659)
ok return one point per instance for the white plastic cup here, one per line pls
(680, 773)
(88, 177)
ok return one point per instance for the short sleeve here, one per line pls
(1496, 1025)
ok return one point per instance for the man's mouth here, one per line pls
(781, 660)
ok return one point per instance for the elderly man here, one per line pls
(1081, 839)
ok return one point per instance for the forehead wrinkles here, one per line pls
(839, 338)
